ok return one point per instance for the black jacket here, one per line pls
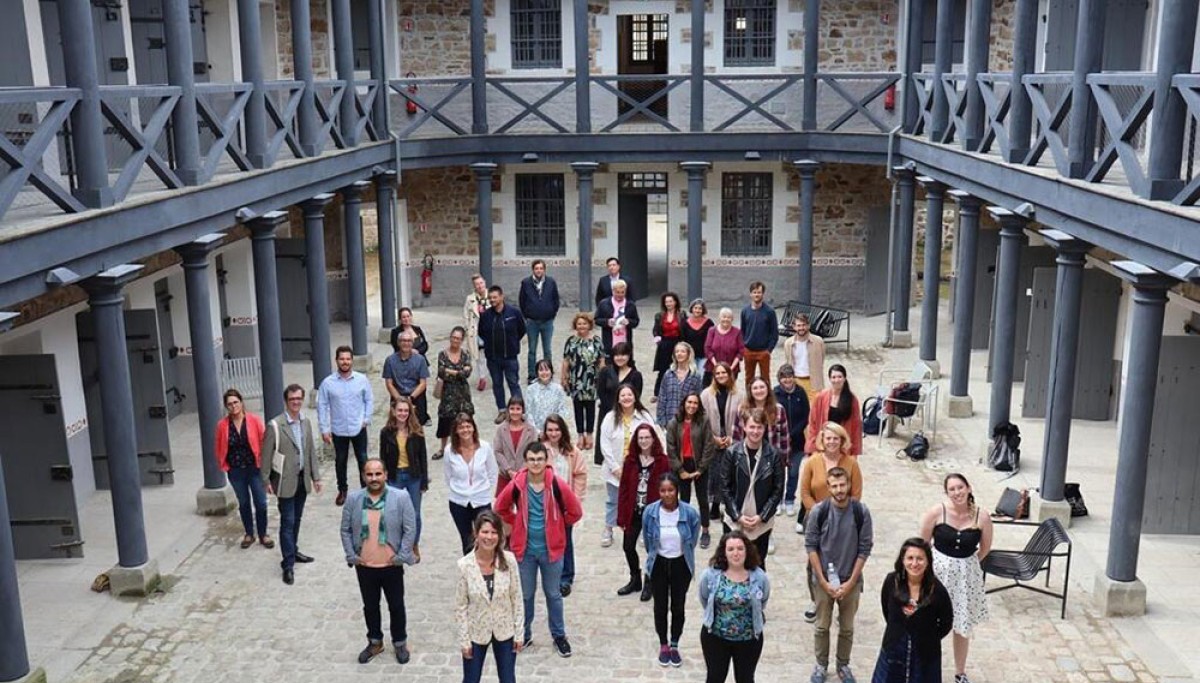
(420, 343)
(501, 332)
(540, 307)
(928, 625)
(735, 480)
(604, 289)
(604, 313)
(418, 461)
(795, 405)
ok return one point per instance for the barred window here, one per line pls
(541, 216)
(749, 32)
(536, 34)
(746, 214)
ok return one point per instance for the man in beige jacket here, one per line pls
(291, 470)
(805, 352)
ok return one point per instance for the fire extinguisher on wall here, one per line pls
(889, 98)
(409, 105)
(427, 274)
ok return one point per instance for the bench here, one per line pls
(1023, 566)
(830, 324)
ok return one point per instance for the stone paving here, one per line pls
(223, 613)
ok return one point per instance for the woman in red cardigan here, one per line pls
(645, 462)
(239, 442)
(835, 403)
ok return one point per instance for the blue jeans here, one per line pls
(406, 481)
(290, 512)
(551, 572)
(248, 486)
(610, 504)
(506, 661)
(533, 330)
(568, 572)
(504, 370)
(793, 477)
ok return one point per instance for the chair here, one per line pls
(824, 321)
(1023, 566)
(926, 405)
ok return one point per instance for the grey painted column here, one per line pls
(106, 301)
(14, 655)
(302, 66)
(356, 265)
(87, 121)
(1020, 115)
(964, 302)
(935, 197)
(213, 498)
(343, 61)
(1004, 337)
(901, 336)
(379, 109)
(943, 61)
(697, 84)
(479, 120)
(583, 70)
(913, 63)
(1064, 349)
(695, 235)
(318, 286)
(1089, 54)
(255, 116)
(185, 131)
(385, 211)
(266, 296)
(978, 40)
(812, 44)
(585, 175)
(808, 188)
(483, 209)
(1169, 116)
(1145, 330)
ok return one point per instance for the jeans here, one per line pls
(585, 417)
(530, 565)
(341, 454)
(669, 582)
(533, 330)
(701, 484)
(504, 370)
(390, 581)
(847, 609)
(793, 475)
(629, 541)
(610, 503)
(290, 512)
(248, 486)
(568, 572)
(464, 518)
(718, 653)
(411, 484)
(506, 661)
(757, 364)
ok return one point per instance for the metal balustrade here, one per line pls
(1050, 96)
(955, 88)
(996, 91)
(1188, 86)
(1124, 101)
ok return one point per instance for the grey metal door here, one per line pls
(985, 287)
(1060, 34)
(149, 43)
(290, 262)
(632, 240)
(1173, 475)
(876, 267)
(166, 341)
(1031, 258)
(37, 467)
(1124, 28)
(149, 401)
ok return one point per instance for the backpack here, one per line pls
(1004, 455)
(917, 448)
(855, 507)
(562, 505)
(905, 396)
(872, 416)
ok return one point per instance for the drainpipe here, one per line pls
(887, 310)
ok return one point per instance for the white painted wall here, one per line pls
(224, 50)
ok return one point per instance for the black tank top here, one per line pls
(957, 542)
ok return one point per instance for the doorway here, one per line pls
(149, 41)
(291, 262)
(170, 360)
(1124, 33)
(641, 50)
(642, 219)
(875, 275)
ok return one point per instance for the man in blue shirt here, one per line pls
(760, 333)
(406, 373)
(344, 406)
(539, 303)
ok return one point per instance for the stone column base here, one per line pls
(935, 368)
(902, 339)
(385, 336)
(215, 502)
(1040, 510)
(38, 675)
(960, 406)
(133, 581)
(1119, 598)
(364, 363)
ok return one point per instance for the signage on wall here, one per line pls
(406, 25)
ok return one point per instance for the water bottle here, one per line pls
(831, 576)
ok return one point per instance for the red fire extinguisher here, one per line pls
(427, 275)
(409, 105)
(889, 98)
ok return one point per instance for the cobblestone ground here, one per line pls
(226, 616)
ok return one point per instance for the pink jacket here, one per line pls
(255, 431)
(559, 514)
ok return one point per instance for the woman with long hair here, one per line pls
(836, 403)
(724, 344)
(239, 440)
(512, 436)
(734, 591)
(722, 401)
(454, 368)
(402, 450)
(488, 605)
(583, 358)
(752, 480)
(678, 380)
(471, 473)
(962, 538)
(667, 331)
(762, 398)
(918, 613)
(695, 333)
(645, 463)
(616, 435)
(669, 532)
(544, 397)
(690, 449)
(569, 465)
(622, 370)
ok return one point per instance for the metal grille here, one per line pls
(749, 32)
(746, 200)
(536, 34)
(541, 215)
(642, 182)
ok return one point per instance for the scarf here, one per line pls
(620, 333)
(368, 504)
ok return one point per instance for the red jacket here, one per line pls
(559, 514)
(255, 430)
(818, 415)
(627, 492)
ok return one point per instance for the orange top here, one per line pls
(813, 486)
(373, 553)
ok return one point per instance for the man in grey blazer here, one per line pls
(299, 472)
(379, 524)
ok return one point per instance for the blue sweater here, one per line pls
(760, 328)
(795, 405)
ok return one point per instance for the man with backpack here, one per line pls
(838, 538)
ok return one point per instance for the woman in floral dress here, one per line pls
(582, 359)
(454, 367)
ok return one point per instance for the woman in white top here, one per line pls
(545, 397)
(615, 432)
(471, 473)
(488, 604)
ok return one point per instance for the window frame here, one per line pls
(540, 214)
(536, 34)
(755, 43)
(747, 213)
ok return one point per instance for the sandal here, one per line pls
(247, 541)
(266, 541)
(481, 385)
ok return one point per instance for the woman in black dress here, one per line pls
(919, 615)
(612, 375)
(695, 331)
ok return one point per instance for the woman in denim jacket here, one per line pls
(734, 593)
(670, 531)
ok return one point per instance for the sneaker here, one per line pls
(818, 675)
(844, 673)
(771, 547)
(810, 614)
(501, 417)
(789, 509)
(705, 540)
(606, 538)
(563, 646)
(676, 660)
(402, 654)
(664, 655)
(369, 652)
(800, 527)
(961, 678)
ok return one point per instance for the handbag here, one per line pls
(438, 387)
(1013, 503)
(917, 448)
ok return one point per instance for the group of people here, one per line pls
(747, 450)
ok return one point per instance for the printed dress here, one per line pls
(956, 565)
(583, 360)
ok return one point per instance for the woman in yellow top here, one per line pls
(402, 450)
(834, 450)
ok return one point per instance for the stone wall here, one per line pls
(1004, 19)
(845, 194)
(321, 38)
(435, 36)
(857, 35)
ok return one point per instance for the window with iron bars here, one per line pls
(541, 214)
(536, 34)
(746, 200)
(750, 32)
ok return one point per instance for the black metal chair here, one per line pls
(1023, 566)
(824, 321)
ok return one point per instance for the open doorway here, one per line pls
(642, 231)
(641, 50)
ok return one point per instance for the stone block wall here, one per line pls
(441, 211)
(845, 195)
(435, 36)
(322, 38)
(858, 35)
(1004, 19)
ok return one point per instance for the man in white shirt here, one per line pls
(805, 352)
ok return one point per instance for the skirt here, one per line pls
(900, 663)
(963, 579)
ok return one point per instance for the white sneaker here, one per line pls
(789, 509)
(799, 527)
(810, 613)
(606, 539)
(771, 547)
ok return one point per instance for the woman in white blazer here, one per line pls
(615, 432)
(488, 604)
